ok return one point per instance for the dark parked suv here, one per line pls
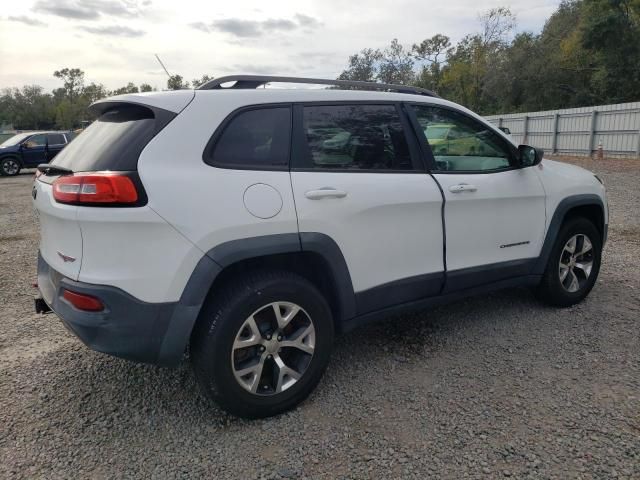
(28, 150)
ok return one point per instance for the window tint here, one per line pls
(355, 137)
(55, 139)
(254, 139)
(468, 144)
(115, 140)
(36, 141)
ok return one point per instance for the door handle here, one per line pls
(462, 187)
(325, 192)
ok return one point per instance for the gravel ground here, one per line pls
(491, 387)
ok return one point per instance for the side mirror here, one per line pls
(529, 156)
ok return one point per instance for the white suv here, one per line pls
(249, 225)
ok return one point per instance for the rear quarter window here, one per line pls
(258, 138)
(115, 140)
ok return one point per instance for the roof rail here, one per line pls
(255, 81)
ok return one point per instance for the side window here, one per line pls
(355, 137)
(55, 139)
(468, 146)
(258, 138)
(36, 141)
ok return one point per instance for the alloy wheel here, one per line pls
(10, 166)
(576, 263)
(273, 348)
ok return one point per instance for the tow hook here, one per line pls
(41, 305)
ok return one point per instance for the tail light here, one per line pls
(84, 302)
(98, 188)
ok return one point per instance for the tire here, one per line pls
(557, 287)
(9, 166)
(224, 324)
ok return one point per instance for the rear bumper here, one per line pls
(127, 327)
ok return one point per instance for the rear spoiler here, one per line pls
(173, 101)
(49, 169)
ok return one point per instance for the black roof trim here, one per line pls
(255, 81)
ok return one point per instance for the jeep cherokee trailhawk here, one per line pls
(250, 225)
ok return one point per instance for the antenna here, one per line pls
(162, 64)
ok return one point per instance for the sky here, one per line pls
(114, 41)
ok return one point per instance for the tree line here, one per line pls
(587, 53)
(65, 108)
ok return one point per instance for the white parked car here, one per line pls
(250, 225)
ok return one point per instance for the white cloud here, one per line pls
(114, 41)
(114, 30)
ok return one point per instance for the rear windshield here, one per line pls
(114, 141)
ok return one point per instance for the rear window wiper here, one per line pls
(49, 169)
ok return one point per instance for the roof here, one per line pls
(248, 85)
(275, 95)
(37, 132)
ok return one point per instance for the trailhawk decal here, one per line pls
(515, 244)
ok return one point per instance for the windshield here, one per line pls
(10, 142)
(436, 132)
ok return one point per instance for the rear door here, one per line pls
(494, 211)
(55, 143)
(357, 178)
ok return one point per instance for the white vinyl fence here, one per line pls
(578, 131)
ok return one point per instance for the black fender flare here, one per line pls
(186, 310)
(559, 215)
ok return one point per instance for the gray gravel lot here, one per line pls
(491, 387)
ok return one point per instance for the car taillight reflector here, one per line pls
(83, 302)
(94, 188)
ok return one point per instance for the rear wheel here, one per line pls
(9, 166)
(262, 345)
(573, 265)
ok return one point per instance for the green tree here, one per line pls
(610, 32)
(128, 88)
(362, 66)
(475, 57)
(145, 87)
(68, 114)
(93, 92)
(176, 82)
(195, 83)
(396, 65)
(431, 52)
(73, 80)
(27, 108)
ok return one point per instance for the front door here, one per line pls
(34, 150)
(357, 177)
(494, 211)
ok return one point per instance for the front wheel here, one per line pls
(573, 265)
(263, 343)
(9, 167)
